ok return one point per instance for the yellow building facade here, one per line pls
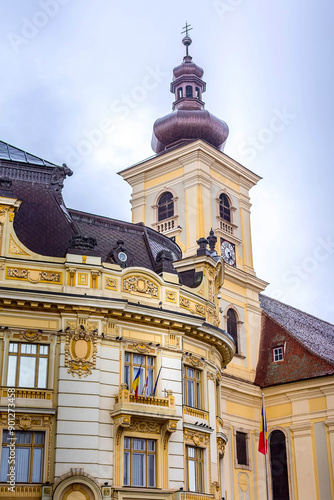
(134, 356)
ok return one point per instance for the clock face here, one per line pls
(228, 253)
(122, 256)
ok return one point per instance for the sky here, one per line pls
(84, 80)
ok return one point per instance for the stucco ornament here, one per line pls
(80, 351)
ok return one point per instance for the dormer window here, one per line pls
(180, 93)
(224, 207)
(189, 91)
(278, 353)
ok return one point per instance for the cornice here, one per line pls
(246, 177)
(242, 278)
(192, 325)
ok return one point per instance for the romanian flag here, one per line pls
(135, 383)
(263, 442)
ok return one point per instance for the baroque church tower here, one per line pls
(189, 188)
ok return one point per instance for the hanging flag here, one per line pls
(156, 382)
(145, 390)
(263, 442)
(135, 383)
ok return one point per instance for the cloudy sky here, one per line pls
(83, 81)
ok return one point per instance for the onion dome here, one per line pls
(189, 120)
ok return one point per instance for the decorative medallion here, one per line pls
(139, 284)
(198, 438)
(25, 422)
(170, 296)
(111, 284)
(80, 351)
(31, 335)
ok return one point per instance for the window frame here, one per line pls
(133, 368)
(168, 206)
(222, 208)
(32, 446)
(199, 464)
(282, 353)
(197, 390)
(236, 339)
(37, 356)
(147, 453)
(237, 465)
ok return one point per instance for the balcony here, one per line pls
(195, 412)
(166, 226)
(28, 398)
(225, 226)
(161, 408)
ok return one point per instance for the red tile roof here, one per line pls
(308, 345)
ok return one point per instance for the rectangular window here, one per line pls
(195, 469)
(241, 448)
(27, 365)
(139, 462)
(29, 451)
(192, 387)
(133, 363)
(278, 353)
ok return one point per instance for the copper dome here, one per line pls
(183, 126)
(187, 68)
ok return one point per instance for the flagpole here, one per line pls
(265, 448)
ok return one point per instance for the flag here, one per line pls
(135, 383)
(263, 442)
(145, 390)
(156, 382)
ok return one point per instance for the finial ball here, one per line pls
(187, 41)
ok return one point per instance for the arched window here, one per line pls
(278, 466)
(180, 93)
(232, 327)
(165, 206)
(189, 91)
(197, 93)
(224, 208)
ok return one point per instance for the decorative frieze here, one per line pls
(198, 438)
(192, 307)
(34, 275)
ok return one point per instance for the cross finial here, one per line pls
(186, 40)
(186, 29)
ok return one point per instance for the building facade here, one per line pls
(134, 356)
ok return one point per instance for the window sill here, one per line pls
(244, 467)
(241, 356)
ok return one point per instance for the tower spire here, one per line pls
(189, 120)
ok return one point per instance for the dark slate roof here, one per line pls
(142, 243)
(40, 223)
(315, 334)
(45, 226)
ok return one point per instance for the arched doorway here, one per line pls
(278, 466)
